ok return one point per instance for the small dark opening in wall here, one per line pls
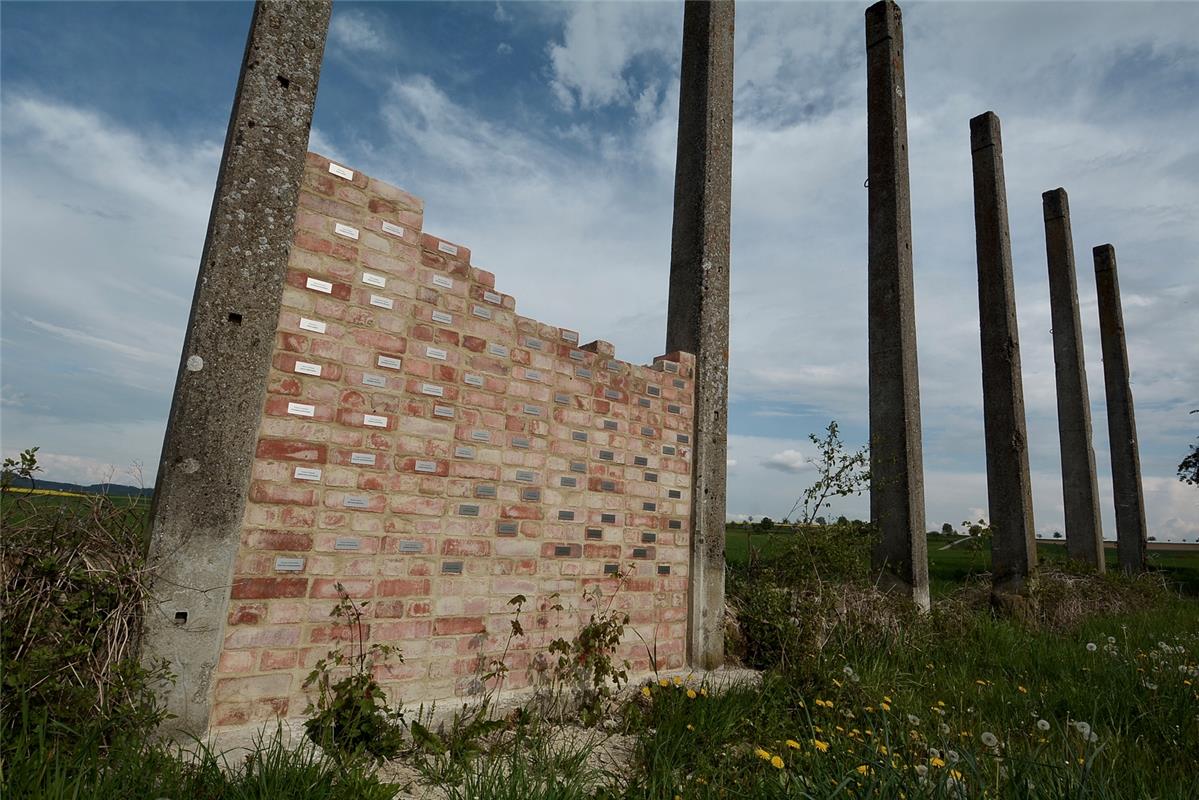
(180, 617)
(284, 82)
(235, 318)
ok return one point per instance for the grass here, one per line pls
(949, 568)
(957, 703)
(900, 717)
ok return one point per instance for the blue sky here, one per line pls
(542, 136)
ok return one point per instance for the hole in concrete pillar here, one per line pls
(284, 82)
(250, 124)
(235, 318)
(180, 617)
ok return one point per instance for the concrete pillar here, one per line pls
(896, 461)
(1009, 490)
(698, 314)
(1131, 531)
(220, 390)
(1080, 495)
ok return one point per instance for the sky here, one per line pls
(543, 135)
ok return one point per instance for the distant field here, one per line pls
(949, 567)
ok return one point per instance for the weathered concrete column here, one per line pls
(204, 472)
(1080, 494)
(698, 314)
(1009, 490)
(1131, 530)
(896, 461)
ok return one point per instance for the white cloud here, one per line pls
(590, 66)
(791, 461)
(504, 49)
(356, 32)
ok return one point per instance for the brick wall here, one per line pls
(436, 453)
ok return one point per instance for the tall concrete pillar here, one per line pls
(698, 314)
(204, 472)
(1131, 531)
(1080, 495)
(896, 461)
(1009, 490)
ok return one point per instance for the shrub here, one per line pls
(350, 715)
(75, 586)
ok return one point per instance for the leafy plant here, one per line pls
(586, 663)
(838, 474)
(350, 714)
(24, 468)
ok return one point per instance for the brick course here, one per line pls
(437, 453)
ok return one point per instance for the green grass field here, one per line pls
(949, 567)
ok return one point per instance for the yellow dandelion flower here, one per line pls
(678, 680)
(980, 683)
(840, 729)
(936, 761)
(690, 727)
(955, 774)
(941, 704)
(794, 745)
(703, 692)
(762, 754)
(885, 706)
(869, 709)
(663, 682)
(819, 729)
(645, 691)
(776, 762)
(691, 695)
(886, 699)
(882, 748)
(1021, 690)
(862, 769)
(819, 745)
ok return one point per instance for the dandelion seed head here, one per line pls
(1043, 724)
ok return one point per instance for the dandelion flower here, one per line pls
(989, 739)
(678, 680)
(794, 745)
(776, 762)
(691, 695)
(1042, 724)
(885, 706)
(862, 769)
(663, 682)
(762, 754)
(690, 727)
(1091, 648)
(886, 699)
(645, 691)
(1021, 690)
(703, 692)
(953, 756)
(819, 745)
(936, 762)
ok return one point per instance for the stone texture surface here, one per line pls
(222, 381)
(1131, 530)
(698, 313)
(436, 454)
(1080, 494)
(1009, 491)
(896, 461)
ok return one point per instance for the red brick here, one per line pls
(465, 547)
(453, 626)
(254, 588)
(288, 541)
(279, 659)
(247, 614)
(291, 450)
(327, 587)
(403, 587)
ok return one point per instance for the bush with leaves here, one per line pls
(350, 715)
(75, 587)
